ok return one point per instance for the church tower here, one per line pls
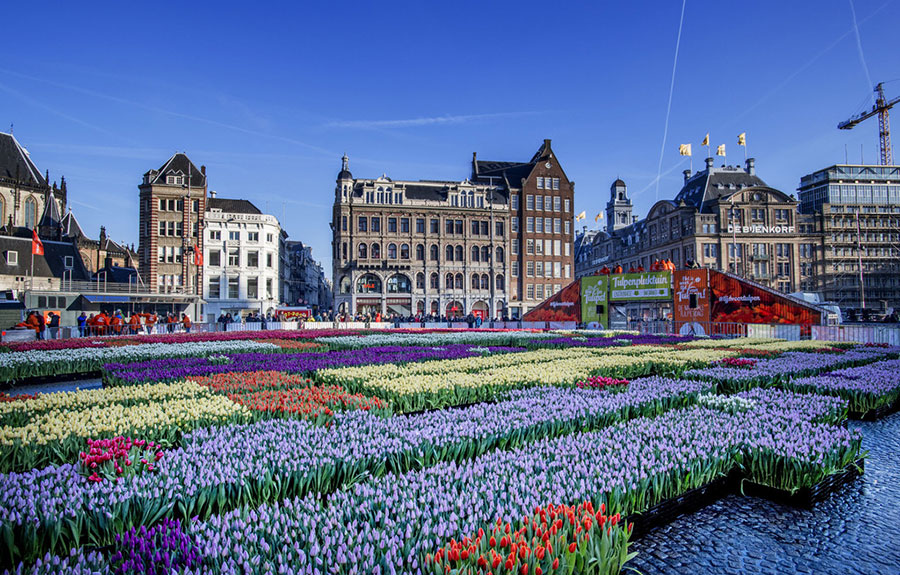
(618, 208)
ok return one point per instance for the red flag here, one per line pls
(198, 258)
(37, 248)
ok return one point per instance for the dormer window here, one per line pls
(12, 258)
(68, 262)
(175, 180)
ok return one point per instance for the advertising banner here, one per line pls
(734, 301)
(692, 296)
(562, 306)
(642, 286)
(594, 304)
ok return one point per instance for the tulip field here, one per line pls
(422, 452)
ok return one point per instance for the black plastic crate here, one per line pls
(667, 511)
(806, 497)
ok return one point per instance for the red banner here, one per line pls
(734, 301)
(563, 306)
(692, 295)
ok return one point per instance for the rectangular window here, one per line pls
(529, 291)
(557, 225)
(215, 235)
(420, 225)
(539, 269)
(435, 226)
(529, 247)
(215, 258)
(177, 230)
(556, 202)
(515, 269)
(540, 183)
(253, 259)
(567, 246)
(515, 247)
(514, 224)
(269, 293)
(548, 247)
(568, 270)
(392, 225)
(548, 225)
(557, 247)
(514, 202)
(557, 269)
(458, 228)
(710, 251)
(485, 228)
(475, 228)
(555, 183)
(234, 258)
(214, 288)
(253, 236)
(404, 225)
(234, 236)
(363, 225)
(161, 254)
(529, 202)
(538, 225)
(568, 204)
(343, 224)
(735, 249)
(539, 291)
(568, 227)
(376, 225)
(448, 227)
(539, 202)
(269, 259)
(252, 288)
(539, 246)
(233, 287)
(529, 269)
(162, 205)
(498, 229)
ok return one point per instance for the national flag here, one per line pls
(580, 216)
(720, 151)
(742, 139)
(37, 247)
(598, 217)
(198, 257)
(684, 149)
(705, 141)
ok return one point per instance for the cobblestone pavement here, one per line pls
(857, 530)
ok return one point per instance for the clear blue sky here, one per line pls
(270, 97)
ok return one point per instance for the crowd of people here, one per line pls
(106, 323)
(656, 266)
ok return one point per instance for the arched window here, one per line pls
(420, 252)
(459, 281)
(392, 251)
(435, 281)
(459, 254)
(500, 283)
(449, 254)
(362, 251)
(486, 254)
(485, 281)
(398, 283)
(434, 308)
(420, 280)
(434, 253)
(368, 283)
(475, 281)
(499, 259)
(30, 213)
(404, 251)
(448, 281)
(345, 284)
(376, 251)
(420, 308)
(2, 212)
(475, 254)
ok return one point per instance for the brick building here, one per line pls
(172, 203)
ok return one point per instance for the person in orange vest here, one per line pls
(617, 269)
(604, 271)
(654, 266)
(670, 265)
(134, 323)
(170, 322)
(101, 322)
(116, 322)
(31, 322)
(186, 322)
(151, 322)
(640, 268)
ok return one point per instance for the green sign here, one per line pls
(594, 307)
(640, 286)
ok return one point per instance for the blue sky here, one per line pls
(270, 97)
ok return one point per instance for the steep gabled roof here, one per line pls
(232, 206)
(705, 189)
(70, 226)
(178, 165)
(50, 217)
(16, 164)
(49, 265)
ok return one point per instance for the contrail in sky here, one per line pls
(669, 107)
(862, 57)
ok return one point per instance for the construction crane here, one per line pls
(881, 107)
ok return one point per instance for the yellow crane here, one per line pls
(881, 107)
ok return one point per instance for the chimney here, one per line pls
(751, 166)
(709, 164)
(687, 175)
(102, 235)
(212, 194)
(546, 143)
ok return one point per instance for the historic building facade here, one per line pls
(493, 245)
(724, 218)
(172, 204)
(242, 261)
(856, 209)
(24, 191)
(304, 280)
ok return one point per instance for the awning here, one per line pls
(107, 298)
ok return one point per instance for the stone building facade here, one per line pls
(304, 280)
(495, 244)
(856, 209)
(172, 204)
(24, 191)
(723, 218)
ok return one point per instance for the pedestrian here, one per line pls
(42, 322)
(186, 322)
(82, 321)
(54, 325)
